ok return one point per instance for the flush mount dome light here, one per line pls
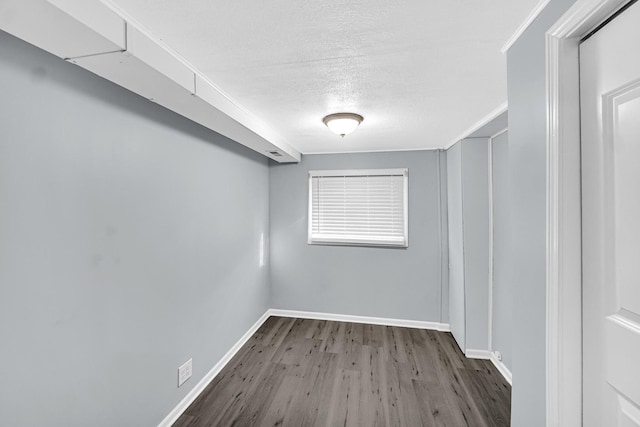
(343, 123)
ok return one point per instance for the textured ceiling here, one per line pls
(420, 72)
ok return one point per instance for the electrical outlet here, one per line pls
(184, 372)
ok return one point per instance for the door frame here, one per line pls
(563, 243)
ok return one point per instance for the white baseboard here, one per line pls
(489, 355)
(477, 354)
(502, 368)
(204, 382)
(443, 327)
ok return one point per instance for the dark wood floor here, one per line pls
(297, 372)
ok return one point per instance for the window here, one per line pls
(358, 207)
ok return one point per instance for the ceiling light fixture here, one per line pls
(343, 123)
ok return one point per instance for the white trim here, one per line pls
(489, 355)
(479, 124)
(497, 134)
(359, 172)
(173, 416)
(418, 324)
(472, 353)
(525, 24)
(502, 368)
(440, 231)
(463, 333)
(564, 281)
(490, 279)
(385, 150)
(491, 233)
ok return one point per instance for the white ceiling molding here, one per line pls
(97, 38)
(500, 132)
(480, 124)
(525, 24)
(372, 151)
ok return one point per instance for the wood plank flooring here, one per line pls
(299, 372)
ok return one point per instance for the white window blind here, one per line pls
(358, 207)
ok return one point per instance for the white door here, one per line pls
(610, 116)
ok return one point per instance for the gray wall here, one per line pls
(475, 201)
(527, 186)
(502, 325)
(129, 242)
(456, 245)
(366, 281)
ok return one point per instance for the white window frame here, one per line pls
(404, 172)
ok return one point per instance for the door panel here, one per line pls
(622, 128)
(610, 116)
(628, 413)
